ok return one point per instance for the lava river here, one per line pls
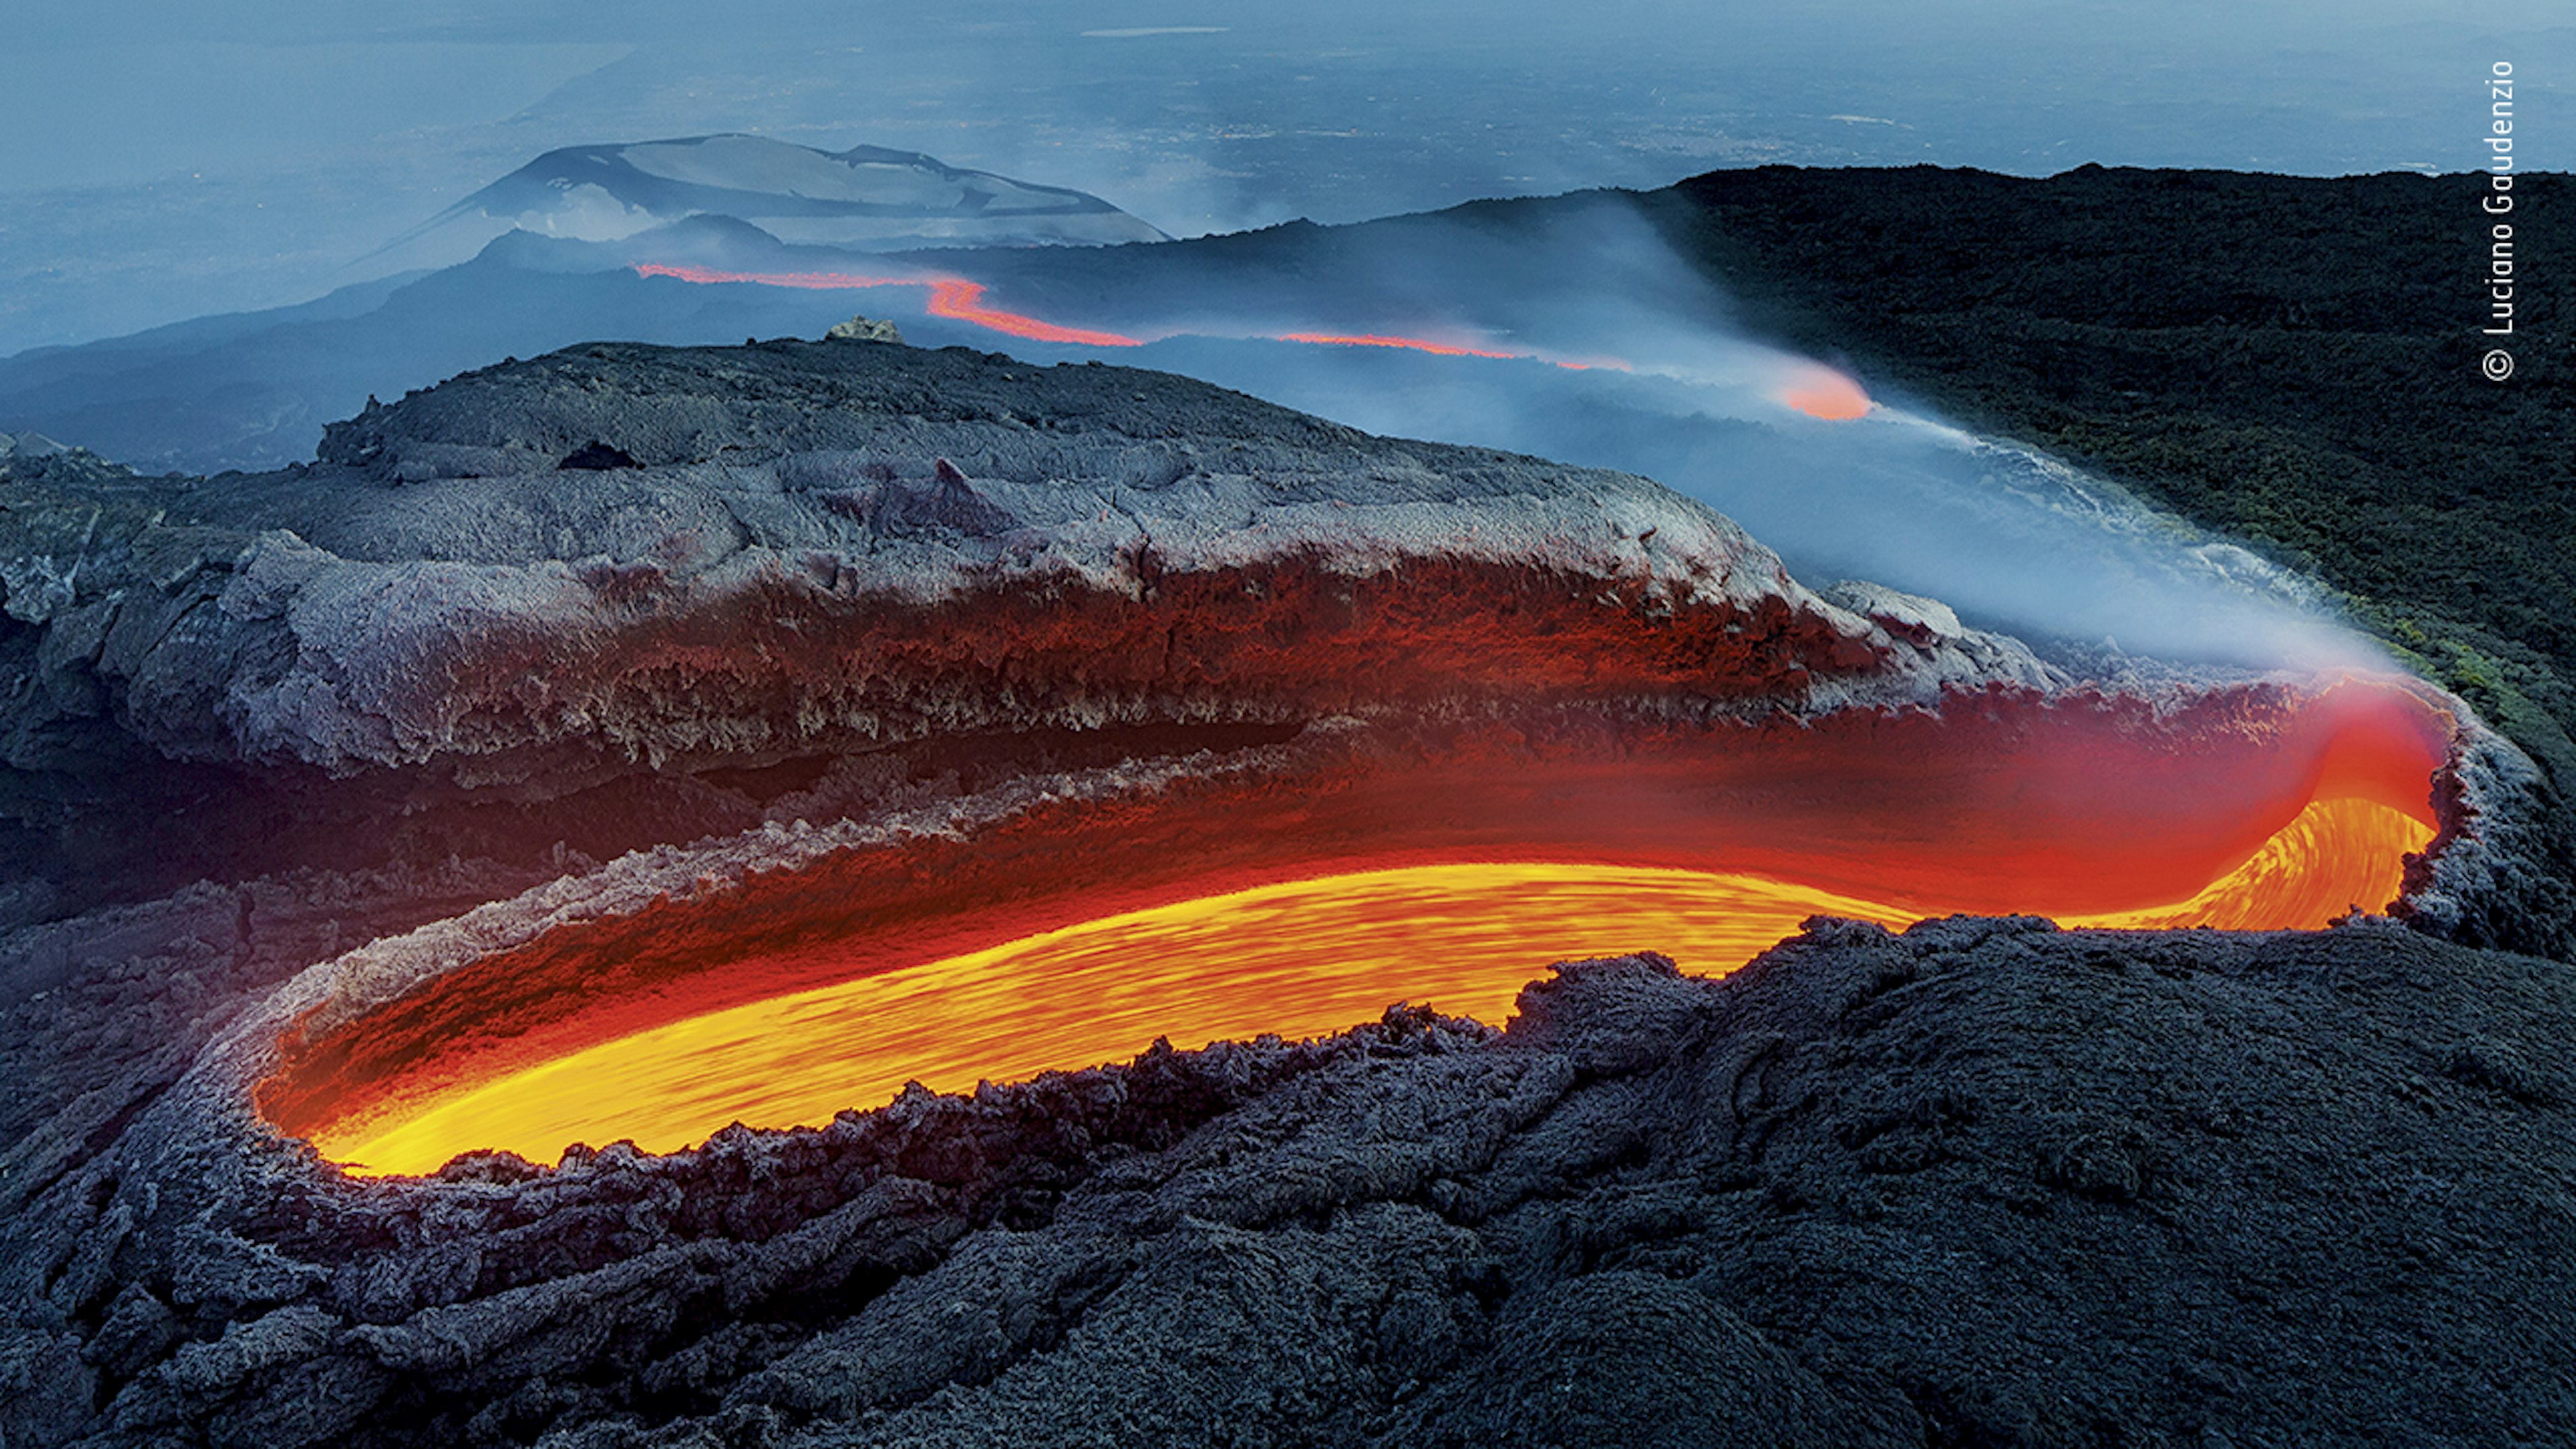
(1300, 901)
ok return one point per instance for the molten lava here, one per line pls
(1294, 958)
(1821, 392)
(1388, 339)
(955, 298)
(1440, 349)
(1300, 958)
(961, 300)
(2338, 856)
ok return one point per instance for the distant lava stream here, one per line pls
(1344, 872)
(961, 300)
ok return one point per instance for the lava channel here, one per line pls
(1300, 900)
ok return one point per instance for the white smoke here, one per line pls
(2011, 537)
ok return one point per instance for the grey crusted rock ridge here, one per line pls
(494, 567)
(612, 586)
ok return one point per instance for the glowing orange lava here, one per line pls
(951, 297)
(1440, 349)
(1069, 933)
(2337, 856)
(1385, 339)
(961, 300)
(1295, 958)
(1821, 392)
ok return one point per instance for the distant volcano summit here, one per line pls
(867, 197)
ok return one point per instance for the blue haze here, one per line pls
(174, 158)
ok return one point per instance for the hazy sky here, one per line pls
(171, 159)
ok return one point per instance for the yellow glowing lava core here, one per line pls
(1298, 958)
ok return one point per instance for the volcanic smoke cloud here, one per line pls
(1561, 328)
(1587, 340)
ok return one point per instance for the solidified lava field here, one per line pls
(853, 718)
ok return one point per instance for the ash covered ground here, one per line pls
(297, 742)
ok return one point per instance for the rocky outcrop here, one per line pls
(29, 446)
(864, 329)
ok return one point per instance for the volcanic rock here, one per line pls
(1980, 1182)
(284, 748)
(629, 569)
(864, 329)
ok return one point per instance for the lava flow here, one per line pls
(1821, 392)
(961, 300)
(955, 298)
(1299, 958)
(1074, 934)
